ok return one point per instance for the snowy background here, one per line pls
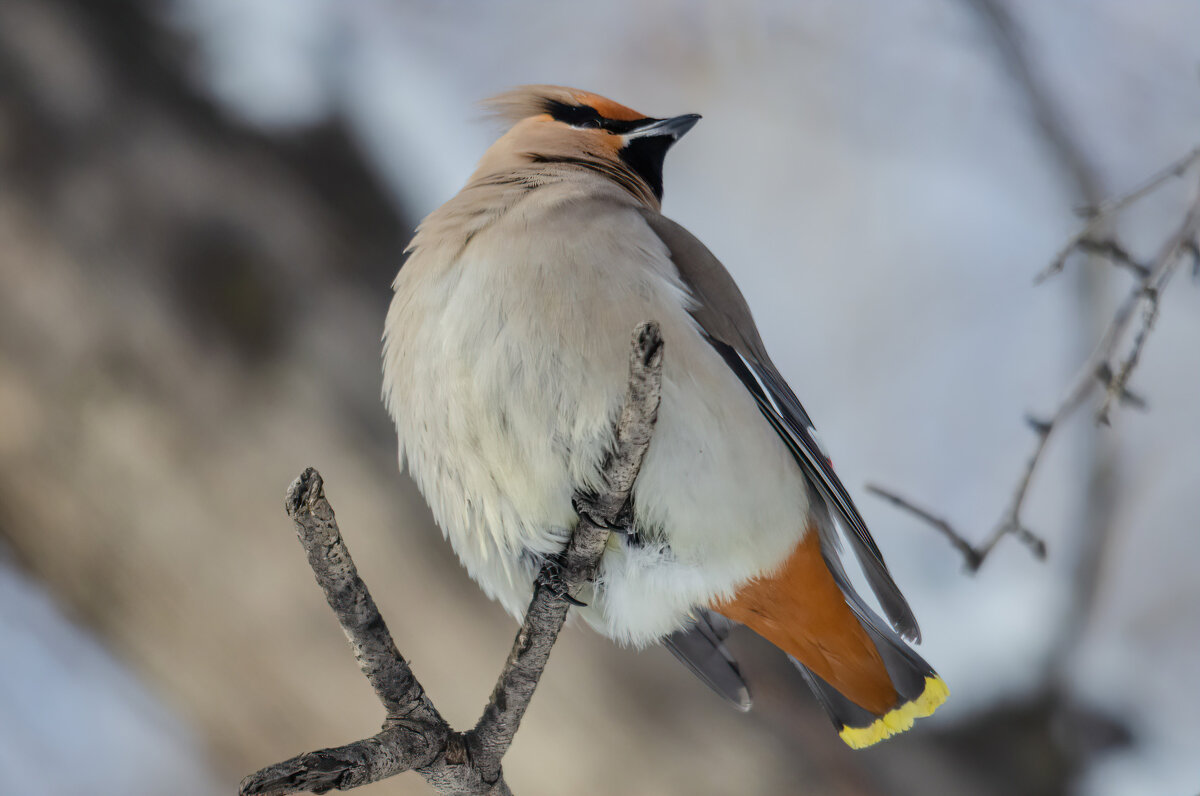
(877, 182)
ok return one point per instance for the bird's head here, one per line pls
(557, 124)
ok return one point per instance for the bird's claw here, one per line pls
(585, 506)
(550, 578)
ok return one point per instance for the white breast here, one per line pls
(505, 363)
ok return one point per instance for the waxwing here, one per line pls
(505, 364)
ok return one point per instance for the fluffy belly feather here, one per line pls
(504, 379)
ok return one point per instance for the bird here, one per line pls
(505, 352)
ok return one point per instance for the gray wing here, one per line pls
(701, 646)
(723, 314)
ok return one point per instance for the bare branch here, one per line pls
(1087, 241)
(1097, 370)
(414, 734)
(1116, 386)
(1152, 183)
(1148, 293)
(972, 556)
(1149, 289)
(1115, 253)
(1126, 396)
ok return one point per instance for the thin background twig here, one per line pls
(1095, 373)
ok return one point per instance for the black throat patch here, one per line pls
(644, 157)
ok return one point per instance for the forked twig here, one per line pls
(414, 735)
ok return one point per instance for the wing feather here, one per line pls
(723, 314)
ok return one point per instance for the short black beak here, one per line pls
(674, 127)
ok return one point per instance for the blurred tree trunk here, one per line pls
(160, 347)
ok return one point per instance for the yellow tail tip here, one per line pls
(901, 718)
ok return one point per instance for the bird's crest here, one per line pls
(523, 102)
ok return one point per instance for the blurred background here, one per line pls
(202, 203)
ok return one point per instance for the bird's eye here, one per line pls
(590, 124)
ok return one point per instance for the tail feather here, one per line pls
(867, 678)
(701, 647)
(918, 687)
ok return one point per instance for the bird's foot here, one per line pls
(586, 506)
(550, 578)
